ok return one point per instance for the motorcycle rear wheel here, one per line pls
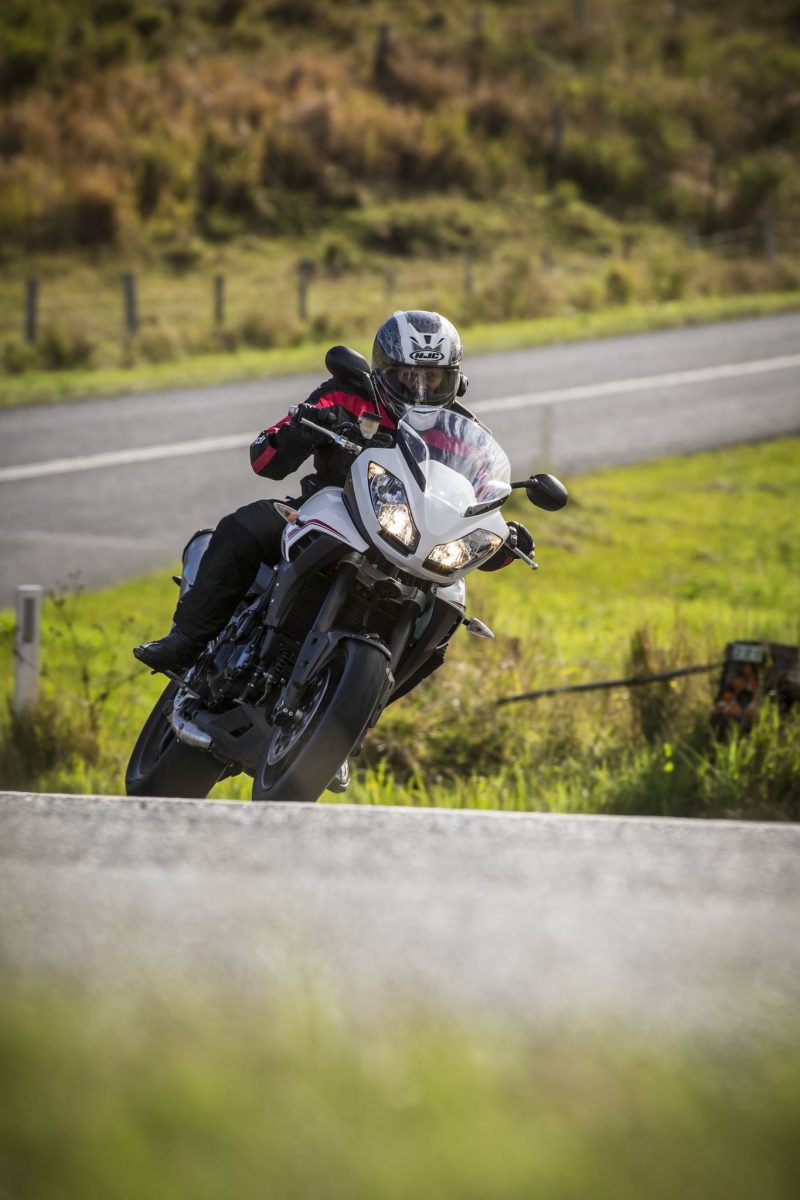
(160, 765)
(301, 759)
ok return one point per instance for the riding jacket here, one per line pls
(281, 449)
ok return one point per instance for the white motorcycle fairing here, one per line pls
(325, 512)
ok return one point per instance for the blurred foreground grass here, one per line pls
(212, 1097)
(648, 568)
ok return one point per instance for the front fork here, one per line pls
(322, 640)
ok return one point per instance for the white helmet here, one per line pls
(416, 360)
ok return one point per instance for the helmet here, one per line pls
(416, 360)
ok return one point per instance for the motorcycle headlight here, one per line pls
(454, 556)
(390, 503)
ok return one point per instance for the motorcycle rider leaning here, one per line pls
(416, 361)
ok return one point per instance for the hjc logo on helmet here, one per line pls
(426, 353)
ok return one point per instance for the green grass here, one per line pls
(219, 1097)
(649, 567)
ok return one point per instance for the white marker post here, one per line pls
(26, 646)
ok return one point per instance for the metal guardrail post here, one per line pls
(26, 646)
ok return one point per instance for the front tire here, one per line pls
(301, 759)
(160, 765)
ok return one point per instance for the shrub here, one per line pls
(264, 331)
(619, 286)
(93, 211)
(63, 348)
(17, 356)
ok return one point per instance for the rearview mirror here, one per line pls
(547, 492)
(347, 366)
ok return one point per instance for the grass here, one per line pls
(214, 1097)
(649, 567)
(52, 387)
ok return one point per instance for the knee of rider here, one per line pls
(234, 534)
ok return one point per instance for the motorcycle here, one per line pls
(371, 581)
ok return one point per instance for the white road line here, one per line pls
(122, 458)
(619, 387)
(615, 387)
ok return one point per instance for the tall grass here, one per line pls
(635, 578)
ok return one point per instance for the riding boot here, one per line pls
(226, 570)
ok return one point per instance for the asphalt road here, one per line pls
(605, 402)
(665, 927)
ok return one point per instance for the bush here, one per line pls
(264, 331)
(63, 348)
(93, 211)
(17, 356)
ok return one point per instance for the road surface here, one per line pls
(666, 927)
(112, 488)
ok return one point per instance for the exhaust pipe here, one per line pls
(187, 732)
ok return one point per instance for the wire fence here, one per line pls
(268, 303)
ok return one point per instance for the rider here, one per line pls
(416, 360)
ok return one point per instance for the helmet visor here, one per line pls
(422, 385)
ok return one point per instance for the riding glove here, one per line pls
(518, 537)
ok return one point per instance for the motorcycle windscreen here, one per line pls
(437, 435)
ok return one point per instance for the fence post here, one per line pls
(383, 52)
(768, 238)
(546, 436)
(690, 235)
(390, 279)
(559, 119)
(131, 307)
(476, 46)
(219, 300)
(469, 277)
(26, 646)
(31, 310)
(305, 269)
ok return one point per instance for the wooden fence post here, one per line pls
(469, 277)
(383, 50)
(390, 279)
(219, 301)
(476, 47)
(130, 304)
(305, 269)
(546, 436)
(31, 310)
(768, 238)
(559, 119)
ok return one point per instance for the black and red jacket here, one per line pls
(281, 449)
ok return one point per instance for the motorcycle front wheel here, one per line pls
(303, 756)
(160, 765)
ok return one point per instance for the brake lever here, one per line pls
(534, 566)
(344, 442)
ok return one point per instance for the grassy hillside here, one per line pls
(499, 160)
(648, 568)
